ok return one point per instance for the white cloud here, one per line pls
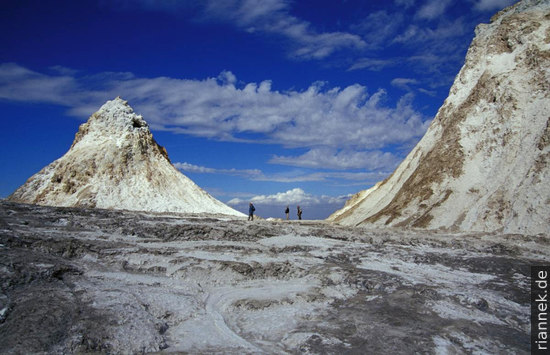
(273, 17)
(270, 17)
(373, 64)
(492, 5)
(433, 9)
(445, 39)
(248, 173)
(431, 93)
(378, 28)
(253, 174)
(405, 3)
(227, 78)
(331, 159)
(347, 119)
(428, 92)
(438, 36)
(314, 206)
(295, 196)
(404, 83)
(21, 84)
(435, 52)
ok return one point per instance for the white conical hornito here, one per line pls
(483, 164)
(114, 162)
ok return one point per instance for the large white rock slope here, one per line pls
(483, 164)
(114, 162)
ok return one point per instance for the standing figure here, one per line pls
(299, 213)
(251, 210)
(287, 211)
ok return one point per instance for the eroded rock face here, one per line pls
(114, 162)
(76, 280)
(483, 164)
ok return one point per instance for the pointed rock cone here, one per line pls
(483, 164)
(115, 163)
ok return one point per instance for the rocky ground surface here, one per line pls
(100, 281)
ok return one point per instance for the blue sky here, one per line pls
(275, 101)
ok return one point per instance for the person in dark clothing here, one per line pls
(287, 211)
(299, 213)
(251, 210)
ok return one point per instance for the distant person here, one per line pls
(251, 210)
(299, 213)
(287, 211)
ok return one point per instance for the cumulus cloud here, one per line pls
(295, 196)
(347, 119)
(314, 206)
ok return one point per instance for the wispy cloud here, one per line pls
(253, 174)
(405, 3)
(247, 173)
(327, 158)
(429, 32)
(378, 28)
(433, 9)
(438, 35)
(287, 177)
(273, 17)
(404, 83)
(491, 5)
(346, 119)
(21, 84)
(373, 64)
(268, 17)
